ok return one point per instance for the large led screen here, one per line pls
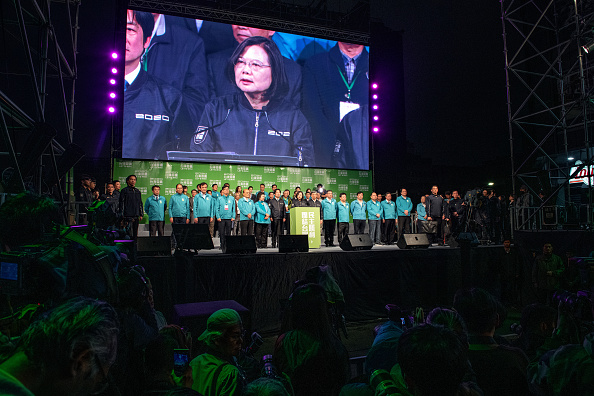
(210, 92)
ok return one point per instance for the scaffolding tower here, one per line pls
(37, 86)
(549, 83)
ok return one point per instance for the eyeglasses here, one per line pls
(254, 65)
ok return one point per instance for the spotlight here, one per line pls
(375, 118)
(375, 107)
(376, 129)
(112, 81)
(491, 184)
(588, 47)
(114, 55)
(570, 158)
(374, 86)
(114, 70)
(111, 109)
(374, 96)
(112, 95)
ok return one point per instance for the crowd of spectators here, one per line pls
(68, 341)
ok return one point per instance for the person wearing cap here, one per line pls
(216, 371)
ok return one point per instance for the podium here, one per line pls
(306, 221)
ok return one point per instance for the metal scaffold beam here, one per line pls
(549, 87)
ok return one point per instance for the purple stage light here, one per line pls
(114, 55)
(111, 109)
(374, 86)
(114, 70)
(375, 107)
(112, 95)
(375, 129)
(374, 96)
(375, 118)
(112, 81)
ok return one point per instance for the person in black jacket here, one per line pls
(435, 212)
(176, 56)
(131, 205)
(277, 210)
(256, 120)
(334, 83)
(155, 117)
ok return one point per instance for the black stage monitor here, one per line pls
(153, 246)
(293, 243)
(356, 242)
(192, 236)
(240, 244)
(413, 241)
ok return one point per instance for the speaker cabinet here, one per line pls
(356, 242)
(293, 243)
(413, 241)
(240, 244)
(153, 246)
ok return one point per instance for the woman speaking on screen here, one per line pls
(258, 119)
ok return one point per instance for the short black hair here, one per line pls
(359, 192)
(179, 184)
(279, 85)
(252, 187)
(260, 193)
(478, 308)
(262, 184)
(146, 22)
(214, 185)
(341, 194)
(153, 187)
(276, 189)
(128, 178)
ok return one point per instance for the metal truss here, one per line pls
(550, 86)
(284, 19)
(39, 65)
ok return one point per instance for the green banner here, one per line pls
(168, 174)
(306, 221)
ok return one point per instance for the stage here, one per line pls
(369, 279)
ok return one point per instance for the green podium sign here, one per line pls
(306, 221)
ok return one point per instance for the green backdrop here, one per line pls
(168, 174)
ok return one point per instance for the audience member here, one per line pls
(216, 371)
(310, 353)
(500, 369)
(68, 351)
(547, 273)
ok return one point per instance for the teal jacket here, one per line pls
(203, 206)
(374, 209)
(225, 207)
(421, 212)
(155, 208)
(329, 209)
(403, 204)
(262, 209)
(358, 210)
(216, 194)
(388, 210)
(179, 206)
(246, 205)
(343, 212)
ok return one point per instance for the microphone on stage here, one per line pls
(278, 133)
(202, 131)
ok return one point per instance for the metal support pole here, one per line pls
(508, 96)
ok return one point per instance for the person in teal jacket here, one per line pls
(203, 208)
(421, 214)
(155, 206)
(179, 207)
(358, 210)
(343, 212)
(329, 211)
(388, 219)
(225, 213)
(374, 211)
(247, 210)
(262, 220)
(215, 191)
(404, 206)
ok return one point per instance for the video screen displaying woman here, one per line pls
(258, 119)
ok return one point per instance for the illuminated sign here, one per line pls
(583, 176)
